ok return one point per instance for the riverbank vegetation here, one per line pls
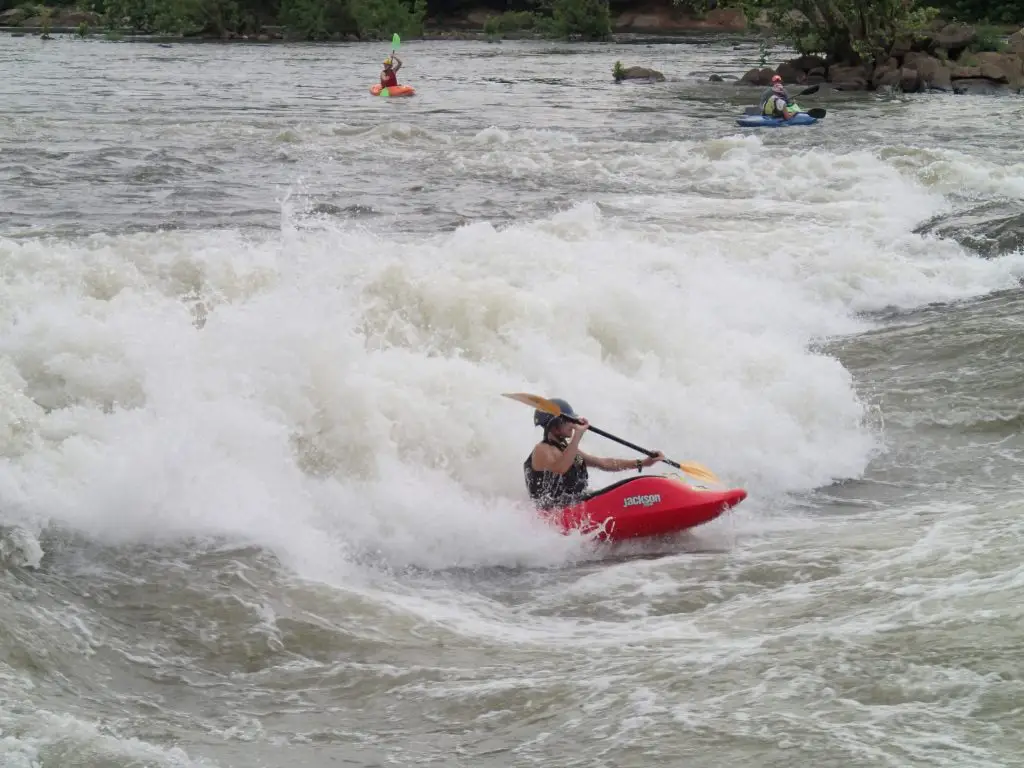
(844, 29)
(305, 19)
(584, 19)
(853, 31)
(901, 44)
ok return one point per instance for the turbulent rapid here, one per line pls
(261, 502)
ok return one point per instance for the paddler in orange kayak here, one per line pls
(556, 469)
(389, 77)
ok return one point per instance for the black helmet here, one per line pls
(545, 419)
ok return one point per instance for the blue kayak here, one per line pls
(761, 121)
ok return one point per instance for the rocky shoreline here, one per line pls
(945, 59)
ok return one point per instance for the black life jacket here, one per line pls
(549, 489)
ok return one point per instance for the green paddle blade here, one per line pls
(396, 41)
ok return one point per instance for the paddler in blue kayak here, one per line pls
(556, 469)
(775, 101)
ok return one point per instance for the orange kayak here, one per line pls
(394, 90)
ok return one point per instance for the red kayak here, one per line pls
(645, 506)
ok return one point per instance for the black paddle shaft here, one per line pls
(627, 444)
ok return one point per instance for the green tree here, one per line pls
(845, 30)
(998, 12)
(382, 18)
(589, 19)
(316, 19)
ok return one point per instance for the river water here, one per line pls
(262, 502)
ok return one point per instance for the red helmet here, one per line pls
(776, 78)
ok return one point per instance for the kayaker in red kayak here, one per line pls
(389, 77)
(556, 469)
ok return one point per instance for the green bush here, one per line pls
(517, 21)
(588, 19)
(330, 19)
(22, 14)
(382, 18)
(166, 17)
(999, 12)
(988, 39)
(303, 19)
(316, 19)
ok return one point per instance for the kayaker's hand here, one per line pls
(650, 461)
(580, 427)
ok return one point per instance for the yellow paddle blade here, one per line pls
(535, 401)
(698, 470)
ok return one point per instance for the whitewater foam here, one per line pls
(331, 391)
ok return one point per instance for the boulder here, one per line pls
(977, 87)
(995, 68)
(808, 63)
(995, 73)
(960, 72)
(1016, 43)
(910, 80)
(640, 73)
(954, 39)
(888, 78)
(762, 77)
(901, 47)
(1002, 68)
(936, 59)
(911, 58)
(848, 78)
(886, 74)
(990, 229)
(790, 73)
(933, 72)
(939, 79)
